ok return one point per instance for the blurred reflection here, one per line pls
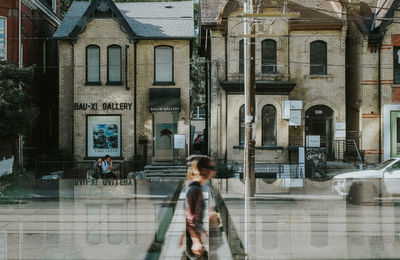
(93, 224)
(102, 221)
(307, 222)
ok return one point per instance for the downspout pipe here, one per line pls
(135, 98)
(379, 104)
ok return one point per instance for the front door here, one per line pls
(394, 133)
(164, 129)
(319, 121)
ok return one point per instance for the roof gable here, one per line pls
(140, 20)
(101, 9)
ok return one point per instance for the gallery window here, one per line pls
(3, 38)
(318, 58)
(269, 125)
(396, 65)
(241, 56)
(93, 64)
(241, 125)
(114, 64)
(164, 64)
(268, 63)
(103, 136)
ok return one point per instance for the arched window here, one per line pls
(269, 125)
(318, 58)
(164, 64)
(114, 64)
(241, 56)
(268, 63)
(241, 125)
(93, 64)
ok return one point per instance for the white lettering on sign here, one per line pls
(319, 112)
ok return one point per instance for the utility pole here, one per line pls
(249, 92)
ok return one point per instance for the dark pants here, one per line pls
(109, 175)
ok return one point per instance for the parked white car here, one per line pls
(384, 179)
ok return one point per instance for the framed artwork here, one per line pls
(103, 136)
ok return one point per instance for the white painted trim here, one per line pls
(53, 17)
(386, 129)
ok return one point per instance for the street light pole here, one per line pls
(249, 92)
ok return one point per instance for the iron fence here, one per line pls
(73, 170)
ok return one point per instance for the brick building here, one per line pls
(300, 77)
(39, 20)
(124, 80)
(373, 82)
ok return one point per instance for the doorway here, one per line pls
(394, 133)
(319, 121)
(164, 129)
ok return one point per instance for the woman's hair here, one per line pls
(195, 164)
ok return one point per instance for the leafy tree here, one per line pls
(17, 111)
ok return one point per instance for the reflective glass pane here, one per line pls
(114, 64)
(2, 39)
(164, 64)
(93, 64)
(268, 56)
(269, 126)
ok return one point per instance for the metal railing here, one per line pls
(275, 170)
(347, 151)
(73, 170)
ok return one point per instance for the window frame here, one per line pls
(109, 82)
(263, 126)
(5, 37)
(396, 58)
(241, 118)
(274, 70)
(92, 83)
(325, 72)
(241, 59)
(164, 83)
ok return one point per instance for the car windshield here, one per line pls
(383, 165)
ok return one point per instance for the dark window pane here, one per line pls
(268, 56)
(269, 125)
(318, 58)
(241, 125)
(241, 57)
(396, 65)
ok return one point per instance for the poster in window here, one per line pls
(103, 136)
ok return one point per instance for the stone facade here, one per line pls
(74, 91)
(293, 66)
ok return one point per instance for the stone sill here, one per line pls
(325, 76)
(241, 147)
(395, 85)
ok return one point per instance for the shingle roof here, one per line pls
(209, 10)
(147, 19)
(312, 12)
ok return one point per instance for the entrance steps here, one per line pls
(176, 171)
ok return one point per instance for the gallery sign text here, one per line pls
(104, 106)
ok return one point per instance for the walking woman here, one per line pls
(201, 169)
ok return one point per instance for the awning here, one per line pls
(165, 99)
